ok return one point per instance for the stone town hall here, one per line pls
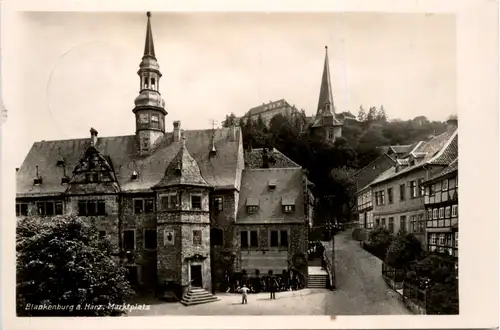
(184, 206)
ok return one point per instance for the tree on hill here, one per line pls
(381, 115)
(63, 261)
(405, 248)
(230, 120)
(344, 185)
(361, 113)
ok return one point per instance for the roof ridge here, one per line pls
(443, 149)
(373, 161)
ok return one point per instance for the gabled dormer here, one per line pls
(94, 172)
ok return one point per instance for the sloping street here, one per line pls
(360, 287)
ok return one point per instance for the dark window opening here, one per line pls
(252, 209)
(91, 207)
(102, 233)
(150, 239)
(284, 238)
(149, 205)
(216, 237)
(402, 195)
(274, 238)
(218, 203)
(21, 209)
(254, 239)
(101, 207)
(244, 239)
(196, 202)
(153, 83)
(197, 237)
(129, 240)
(64, 180)
(138, 206)
(288, 208)
(37, 181)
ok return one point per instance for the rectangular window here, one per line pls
(432, 239)
(382, 197)
(218, 203)
(274, 240)
(444, 185)
(244, 239)
(288, 208)
(391, 224)
(414, 224)
(432, 190)
(59, 207)
(456, 240)
(91, 208)
(402, 222)
(40, 206)
(442, 238)
(421, 223)
(421, 188)
(284, 238)
(150, 239)
(383, 222)
(169, 202)
(101, 207)
(195, 202)
(21, 209)
(441, 213)
(447, 212)
(429, 214)
(402, 192)
(197, 237)
(49, 208)
(102, 233)
(149, 205)
(82, 208)
(434, 214)
(254, 239)
(413, 189)
(138, 206)
(252, 209)
(389, 195)
(129, 240)
(454, 211)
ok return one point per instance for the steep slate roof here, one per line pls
(182, 170)
(438, 151)
(254, 186)
(453, 167)
(253, 159)
(220, 171)
(265, 107)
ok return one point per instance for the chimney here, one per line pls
(452, 123)
(232, 133)
(93, 136)
(177, 131)
(265, 158)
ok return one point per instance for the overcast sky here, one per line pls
(68, 72)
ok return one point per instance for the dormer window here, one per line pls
(252, 205)
(271, 184)
(64, 180)
(92, 177)
(37, 181)
(288, 204)
(60, 162)
(135, 175)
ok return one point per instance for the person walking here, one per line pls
(272, 287)
(244, 294)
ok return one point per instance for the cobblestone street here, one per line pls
(360, 291)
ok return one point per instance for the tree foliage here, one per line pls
(404, 249)
(63, 262)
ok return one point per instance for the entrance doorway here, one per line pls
(196, 278)
(132, 275)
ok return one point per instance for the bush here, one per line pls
(442, 298)
(378, 242)
(63, 262)
(403, 250)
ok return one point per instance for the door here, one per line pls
(196, 279)
(132, 275)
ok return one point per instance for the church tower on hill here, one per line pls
(326, 126)
(149, 106)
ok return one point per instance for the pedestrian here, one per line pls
(244, 293)
(272, 287)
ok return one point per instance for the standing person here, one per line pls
(244, 294)
(272, 287)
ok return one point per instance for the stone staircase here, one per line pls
(317, 281)
(196, 296)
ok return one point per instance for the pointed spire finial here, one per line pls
(149, 47)
(325, 94)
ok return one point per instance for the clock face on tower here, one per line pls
(143, 118)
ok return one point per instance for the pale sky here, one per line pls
(68, 72)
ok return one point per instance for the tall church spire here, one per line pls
(149, 47)
(325, 93)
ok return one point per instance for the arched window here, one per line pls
(153, 83)
(216, 237)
